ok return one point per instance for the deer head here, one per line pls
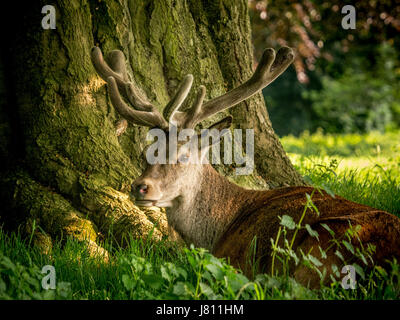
(182, 181)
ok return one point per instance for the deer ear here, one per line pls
(225, 123)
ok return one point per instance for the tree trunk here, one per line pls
(64, 167)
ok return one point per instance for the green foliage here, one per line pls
(24, 282)
(341, 80)
(205, 277)
(360, 99)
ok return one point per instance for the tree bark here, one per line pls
(62, 159)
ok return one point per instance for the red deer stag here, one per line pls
(211, 212)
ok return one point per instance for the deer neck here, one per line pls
(203, 211)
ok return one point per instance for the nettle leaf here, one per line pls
(337, 253)
(308, 179)
(137, 263)
(314, 260)
(323, 253)
(215, 261)
(328, 190)
(165, 274)
(361, 256)
(153, 281)
(311, 205)
(64, 289)
(129, 283)
(331, 232)
(207, 275)
(183, 289)
(287, 221)
(179, 289)
(206, 290)
(236, 281)
(348, 246)
(359, 270)
(191, 260)
(312, 232)
(294, 256)
(182, 272)
(216, 271)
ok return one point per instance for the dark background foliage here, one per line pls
(342, 80)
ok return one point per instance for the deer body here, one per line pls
(211, 212)
(226, 219)
(212, 205)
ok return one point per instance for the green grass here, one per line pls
(362, 168)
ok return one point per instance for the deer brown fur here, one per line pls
(211, 212)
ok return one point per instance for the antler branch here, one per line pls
(118, 83)
(115, 74)
(268, 69)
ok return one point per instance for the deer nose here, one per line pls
(142, 189)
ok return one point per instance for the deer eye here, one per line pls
(184, 158)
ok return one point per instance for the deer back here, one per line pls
(253, 228)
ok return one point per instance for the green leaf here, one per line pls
(216, 271)
(236, 280)
(165, 274)
(312, 232)
(314, 260)
(128, 282)
(153, 281)
(7, 263)
(206, 290)
(381, 271)
(323, 253)
(179, 289)
(64, 289)
(182, 272)
(191, 260)
(359, 270)
(294, 256)
(348, 246)
(215, 261)
(363, 258)
(311, 205)
(328, 190)
(331, 232)
(288, 222)
(337, 253)
(183, 289)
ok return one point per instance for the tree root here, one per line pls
(103, 213)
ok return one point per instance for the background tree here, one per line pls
(347, 80)
(66, 172)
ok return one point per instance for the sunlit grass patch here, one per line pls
(344, 145)
(362, 168)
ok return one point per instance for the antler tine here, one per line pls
(116, 61)
(192, 114)
(268, 69)
(117, 69)
(180, 96)
(117, 80)
(104, 70)
(144, 118)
